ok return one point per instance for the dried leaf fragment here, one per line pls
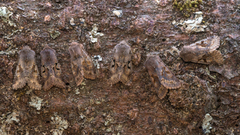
(50, 70)
(81, 63)
(121, 65)
(161, 77)
(26, 71)
(203, 51)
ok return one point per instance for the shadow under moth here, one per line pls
(161, 77)
(81, 63)
(121, 64)
(50, 69)
(26, 71)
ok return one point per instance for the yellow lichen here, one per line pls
(186, 6)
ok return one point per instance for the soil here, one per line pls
(94, 107)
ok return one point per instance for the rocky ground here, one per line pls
(207, 103)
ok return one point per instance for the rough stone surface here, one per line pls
(94, 107)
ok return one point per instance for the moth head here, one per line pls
(49, 63)
(75, 50)
(27, 61)
(122, 59)
(48, 56)
(152, 64)
(26, 58)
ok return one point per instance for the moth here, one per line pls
(161, 77)
(121, 64)
(50, 69)
(203, 51)
(26, 71)
(81, 63)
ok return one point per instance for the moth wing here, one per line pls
(125, 80)
(19, 80)
(53, 81)
(153, 66)
(59, 83)
(33, 81)
(88, 69)
(57, 70)
(216, 57)
(48, 84)
(34, 84)
(77, 71)
(162, 92)
(167, 79)
(114, 79)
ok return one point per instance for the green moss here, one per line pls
(175, 3)
(190, 5)
(186, 6)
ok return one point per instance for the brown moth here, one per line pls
(203, 51)
(81, 63)
(50, 70)
(161, 77)
(121, 64)
(27, 71)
